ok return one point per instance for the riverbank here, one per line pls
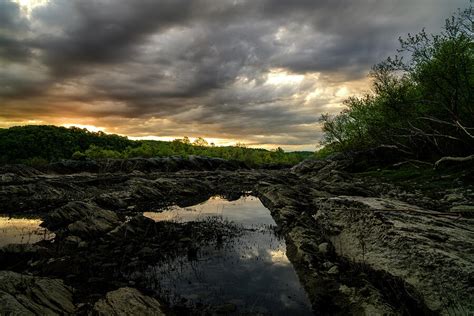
(361, 242)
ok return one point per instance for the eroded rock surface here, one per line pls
(27, 295)
(81, 219)
(360, 245)
(431, 251)
(127, 301)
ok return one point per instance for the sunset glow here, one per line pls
(231, 72)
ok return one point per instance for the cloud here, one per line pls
(259, 71)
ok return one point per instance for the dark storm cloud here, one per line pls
(10, 16)
(12, 28)
(201, 62)
(102, 31)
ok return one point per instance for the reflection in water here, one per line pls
(251, 273)
(22, 231)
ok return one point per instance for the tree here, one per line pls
(200, 142)
(423, 106)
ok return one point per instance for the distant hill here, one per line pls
(40, 144)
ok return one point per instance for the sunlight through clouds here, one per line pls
(230, 71)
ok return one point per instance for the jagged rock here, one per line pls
(81, 219)
(20, 170)
(137, 225)
(127, 301)
(309, 166)
(22, 294)
(408, 242)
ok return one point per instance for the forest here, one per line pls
(41, 144)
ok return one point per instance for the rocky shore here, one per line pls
(360, 244)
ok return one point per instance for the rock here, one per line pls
(323, 247)
(309, 166)
(453, 197)
(345, 289)
(144, 165)
(225, 309)
(17, 255)
(464, 210)
(127, 301)
(406, 242)
(333, 270)
(73, 166)
(22, 294)
(73, 241)
(81, 219)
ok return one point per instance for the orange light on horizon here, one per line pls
(90, 128)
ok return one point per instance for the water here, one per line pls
(249, 274)
(22, 231)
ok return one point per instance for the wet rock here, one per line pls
(22, 294)
(81, 219)
(127, 301)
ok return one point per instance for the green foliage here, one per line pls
(325, 151)
(38, 145)
(424, 106)
(22, 143)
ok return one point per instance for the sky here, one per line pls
(259, 72)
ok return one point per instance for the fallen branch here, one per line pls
(455, 159)
(412, 162)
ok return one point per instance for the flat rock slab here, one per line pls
(432, 251)
(27, 295)
(127, 301)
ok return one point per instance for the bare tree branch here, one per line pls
(455, 159)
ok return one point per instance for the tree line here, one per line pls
(36, 145)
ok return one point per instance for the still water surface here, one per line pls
(22, 231)
(249, 274)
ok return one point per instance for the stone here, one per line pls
(225, 309)
(73, 241)
(81, 219)
(22, 294)
(453, 197)
(127, 301)
(323, 247)
(334, 270)
(465, 210)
